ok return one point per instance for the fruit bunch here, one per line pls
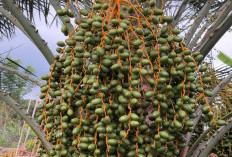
(124, 84)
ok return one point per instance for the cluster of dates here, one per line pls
(123, 84)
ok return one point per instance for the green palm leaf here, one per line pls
(225, 59)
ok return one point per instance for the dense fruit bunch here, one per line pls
(123, 84)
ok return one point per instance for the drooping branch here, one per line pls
(196, 143)
(179, 13)
(31, 31)
(198, 35)
(31, 122)
(198, 21)
(209, 43)
(198, 112)
(225, 10)
(56, 6)
(216, 31)
(205, 148)
(221, 15)
(14, 21)
(22, 75)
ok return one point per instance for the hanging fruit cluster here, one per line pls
(123, 84)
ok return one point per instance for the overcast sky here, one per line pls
(30, 55)
(28, 52)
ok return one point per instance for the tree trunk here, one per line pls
(31, 122)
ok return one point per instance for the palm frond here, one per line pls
(29, 7)
(6, 27)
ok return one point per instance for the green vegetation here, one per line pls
(10, 122)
